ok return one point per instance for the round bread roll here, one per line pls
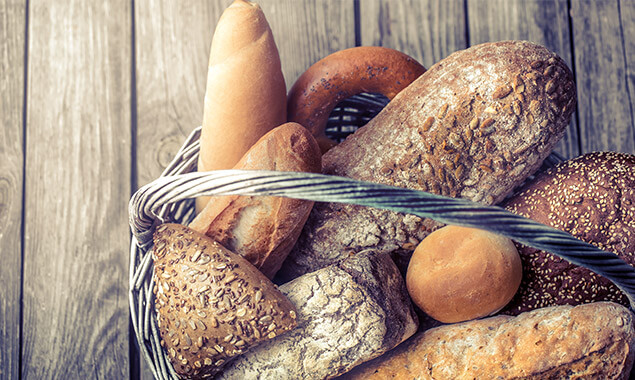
(591, 197)
(458, 273)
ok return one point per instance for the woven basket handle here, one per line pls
(151, 203)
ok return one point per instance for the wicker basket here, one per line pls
(170, 198)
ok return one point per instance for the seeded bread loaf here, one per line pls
(264, 229)
(591, 197)
(211, 304)
(594, 341)
(347, 314)
(475, 125)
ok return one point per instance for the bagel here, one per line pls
(371, 69)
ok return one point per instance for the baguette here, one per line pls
(246, 93)
(474, 125)
(264, 229)
(347, 314)
(592, 341)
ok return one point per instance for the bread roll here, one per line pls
(594, 341)
(474, 125)
(458, 273)
(347, 314)
(591, 197)
(264, 229)
(211, 304)
(246, 93)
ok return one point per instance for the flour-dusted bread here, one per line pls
(591, 197)
(475, 125)
(593, 341)
(347, 314)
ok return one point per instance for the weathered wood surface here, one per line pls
(109, 102)
(12, 37)
(604, 73)
(75, 304)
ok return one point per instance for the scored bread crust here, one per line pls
(593, 341)
(474, 126)
(348, 313)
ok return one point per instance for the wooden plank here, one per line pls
(12, 44)
(77, 189)
(428, 30)
(172, 41)
(308, 30)
(605, 84)
(543, 22)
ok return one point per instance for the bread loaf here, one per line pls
(347, 314)
(264, 229)
(246, 94)
(594, 341)
(591, 197)
(211, 304)
(474, 125)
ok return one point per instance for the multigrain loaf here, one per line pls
(211, 304)
(592, 341)
(591, 197)
(348, 313)
(475, 125)
(264, 229)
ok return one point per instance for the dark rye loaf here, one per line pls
(348, 313)
(591, 197)
(473, 126)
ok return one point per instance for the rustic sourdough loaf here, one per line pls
(475, 125)
(347, 314)
(591, 197)
(264, 229)
(593, 341)
(211, 304)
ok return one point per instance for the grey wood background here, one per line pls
(98, 96)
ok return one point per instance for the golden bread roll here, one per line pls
(458, 273)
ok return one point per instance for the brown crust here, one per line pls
(345, 73)
(212, 305)
(452, 132)
(593, 198)
(458, 273)
(264, 229)
(594, 341)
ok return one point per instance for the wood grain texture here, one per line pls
(172, 41)
(308, 30)
(12, 45)
(77, 190)
(539, 21)
(603, 39)
(427, 30)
